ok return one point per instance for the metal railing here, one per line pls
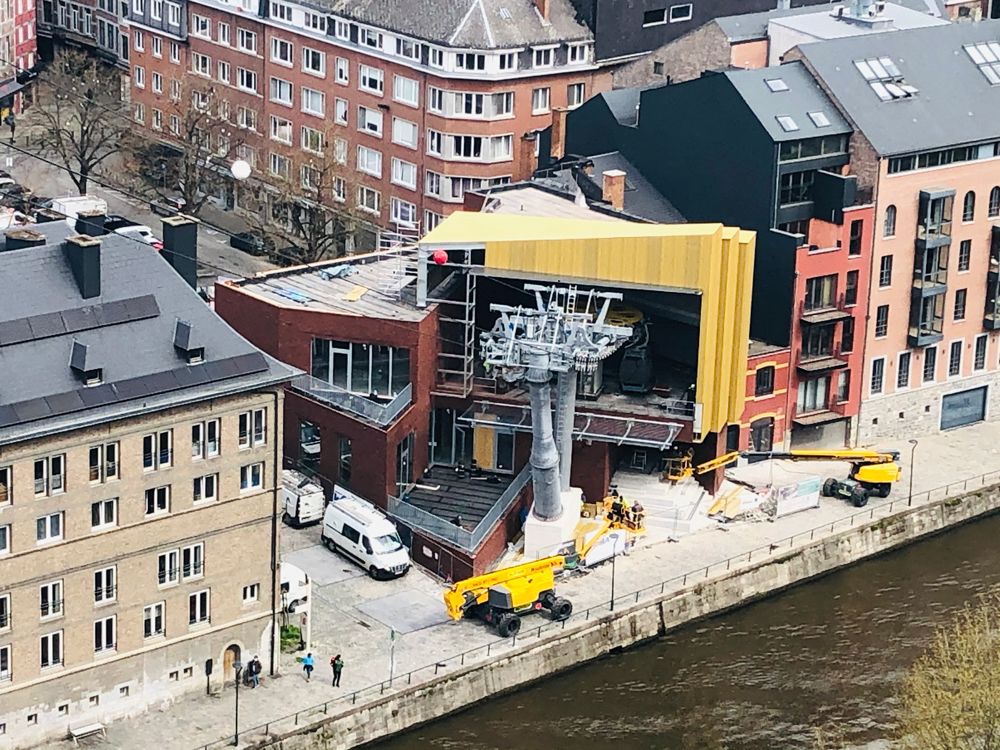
(425, 521)
(376, 690)
(379, 413)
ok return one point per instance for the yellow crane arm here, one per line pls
(458, 597)
(854, 455)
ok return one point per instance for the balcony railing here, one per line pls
(419, 519)
(833, 406)
(825, 311)
(829, 358)
(382, 414)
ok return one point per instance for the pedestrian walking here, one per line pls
(11, 123)
(307, 665)
(255, 672)
(337, 665)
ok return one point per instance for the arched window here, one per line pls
(889, 228)
(995, 202)
(969, 207)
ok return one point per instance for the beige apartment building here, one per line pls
(139, 460)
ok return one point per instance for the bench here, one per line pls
(86, 730)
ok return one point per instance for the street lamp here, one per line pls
(913, 450)
(240, 169)
(238, 665)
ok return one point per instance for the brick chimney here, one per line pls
(526, 161)
(83, 254)
(543, 8)
(557, 145)
(613, 192)
(180, 246)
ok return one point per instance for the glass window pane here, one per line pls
(360, 364)
(380, 370)
(400, 370)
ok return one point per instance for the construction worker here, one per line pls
(638, 513)
(616, 507)
(626, 512)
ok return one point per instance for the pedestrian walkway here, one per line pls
(958, 458)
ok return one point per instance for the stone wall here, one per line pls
(685, 58)
(592, 639)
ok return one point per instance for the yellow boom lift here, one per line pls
(500, 598)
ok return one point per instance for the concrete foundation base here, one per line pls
(544, 538)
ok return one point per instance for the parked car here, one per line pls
(167, 206)
(139, 232)
(252, 242)
(356, 529)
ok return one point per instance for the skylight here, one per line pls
(776, 84)
(820, 120)
(884, 78)
(986, 55)
(787, 123)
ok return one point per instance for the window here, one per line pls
(175, 89)
(50, 599)
(542, 58)
(253, 428)
(961, 296)
(138, 7)
(821, 292)
(403, 212)
(508, 60)
(281, 51)
(889, 224)
(964, 255)
(173, 14)
(340, 111)
(105, 585)
(578, 53)
(370, 79)
(764, 381)
(157, 450)
(313, 102)
(881, 321)
(246, 41)
(404, 173)
(979, 360)
(343, 74)
(405, 90)
(155, 10)
(885, 271)
(4, 539)
(139, 76)
(344, 462)
(539, 100)
(930, 364)
(251, 477)
(157, 46)
(787, 123)
(281, 11)
(470, 61)
(575, 95)
(251, 593)
(503, 103)
(369, 161)
(340, 150)
(851, 288)
(370, 120)
(955, 359)
(994, 209)
(206, 489)
(313, 61)
(175, 52)
(153, 620)
(434, 141)
(157, 83)
(432, 183)
(198, 608)
(246, 118)
(342, 29)
(201, 26)
(843, 385)
(654, 17)
(281, 91)
(878, 375)
(681, 12)
(205, 441)
(404, 133)
(435, 99)
(201, 64)
(140, 43)
(857, 228)
(467, 146)
(104, 514)
(369, 200)
(193, 561)
(6, 495)
(50, 647)
(969, 207)
(4, 611)
(813, 395)
(49, 528)
(157, 500)
(168, 567)
(315, 22)
(312, 140)
(436, 57)
(369, 38)
(223, 33)
(903, 371)
(796, 187)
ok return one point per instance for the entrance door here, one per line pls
(762, 434)
(230, 658)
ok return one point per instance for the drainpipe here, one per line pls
(275, 636)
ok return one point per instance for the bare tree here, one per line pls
(198, 146)
(951, 697)
(80, 115)
(304, 207)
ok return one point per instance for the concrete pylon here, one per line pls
(544, 456)
(565, 416)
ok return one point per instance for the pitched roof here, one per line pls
(799, 98)
(473, 24)
(127, 331)
(954, 103)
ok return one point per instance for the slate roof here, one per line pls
(955, 103)
(802, 96)
(475, 24)
(624, 105)
(128, 332)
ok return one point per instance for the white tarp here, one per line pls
(791, 498)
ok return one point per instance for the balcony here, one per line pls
(934, 220)
(829, 312)
(814, 362)
(991, 318)
(831, 411)
(381, 413)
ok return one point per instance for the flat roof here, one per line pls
(825, 25)
(527, 200)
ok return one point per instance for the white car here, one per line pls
(142, 233)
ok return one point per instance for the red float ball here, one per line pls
(440, 257)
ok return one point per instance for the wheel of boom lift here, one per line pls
(829, 487)
(882, 489)
(561, 608)
(509, 624)
(547, 598)
(859, 497)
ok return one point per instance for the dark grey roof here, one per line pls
(476, 24)
(127, 332)
(624, 105)
(955, 103)
(749, 26)
(802, 97)
(641, 198)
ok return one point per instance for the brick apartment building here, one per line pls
(140, 451)
(423, 105)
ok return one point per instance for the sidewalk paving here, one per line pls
(341, 626)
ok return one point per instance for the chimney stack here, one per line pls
(557, 145)
(83, 254)
(543, 9)
(614, 189)
(19, 238)
(524, 165)
(91, 223)
(180, 246)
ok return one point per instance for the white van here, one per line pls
(303, 499)
(72, 205)
(356, 529)
(295, 586)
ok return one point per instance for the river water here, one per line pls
(829, 652)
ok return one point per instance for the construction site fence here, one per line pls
(288, 723)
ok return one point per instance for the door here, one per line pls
(966, 407)
(229, 660)
(762, 434)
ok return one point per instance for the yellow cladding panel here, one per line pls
(709, 259)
